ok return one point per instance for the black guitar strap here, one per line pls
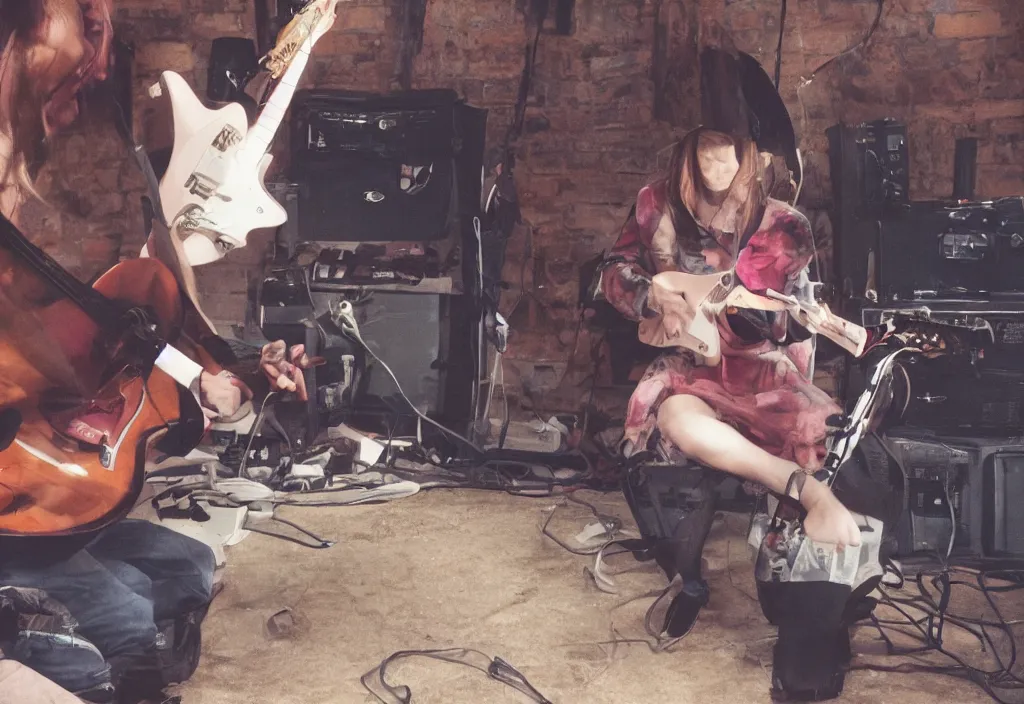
(100, 308)
(142, 160)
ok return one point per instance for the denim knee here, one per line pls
(130, 629)
(69, 661)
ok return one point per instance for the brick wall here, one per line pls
(949, 68)
(608, 97)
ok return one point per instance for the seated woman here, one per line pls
(756, 415)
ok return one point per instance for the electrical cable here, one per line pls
(345, 318)
(321, 543)
(806, 81)
(656, 642)
(611, 526)
(478, 353)
(515, 128)
(496, 668)
(253, 432)
(778, 48)
(928, 630)
(862, 43)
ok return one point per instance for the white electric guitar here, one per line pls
(694, 326)
(213, 193)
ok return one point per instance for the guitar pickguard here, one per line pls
(218, 162)
(708, 295)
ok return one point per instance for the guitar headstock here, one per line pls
(305, 29)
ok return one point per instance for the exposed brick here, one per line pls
(1001, 180)
(598, 218)
(233, 6)
(215, 24)
(362, 19)
(970, 25)
(156, 57)
(998, 109)
(150, 5)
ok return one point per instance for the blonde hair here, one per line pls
(22, 23)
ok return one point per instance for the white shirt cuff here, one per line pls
(177, 366)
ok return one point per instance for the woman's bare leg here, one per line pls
(693, 426)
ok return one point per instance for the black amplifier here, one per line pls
(988, 403)
(399, 167)
(873, 165)
(980, 393)
(963, 494)
(425, 338)
(416, 125)
(952, 251)
(870, 167)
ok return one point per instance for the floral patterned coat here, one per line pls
(763, 385)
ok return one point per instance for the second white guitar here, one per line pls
(213, 189)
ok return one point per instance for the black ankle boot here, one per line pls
(685, 607)
(674, 509)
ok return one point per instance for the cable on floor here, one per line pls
(926, 617)
(375, 681)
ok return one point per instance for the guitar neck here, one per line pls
(262, 134)
(822, 321)
(104, 311)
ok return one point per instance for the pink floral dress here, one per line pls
(762, 386)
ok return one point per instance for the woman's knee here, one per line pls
(679, 419)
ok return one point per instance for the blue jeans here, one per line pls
(133, 575)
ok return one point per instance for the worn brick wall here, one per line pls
(948, 68)
(608, 97)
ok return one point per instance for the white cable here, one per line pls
(345, 318)
(504, 396)
(478, 359)
(479, 252)
(490, 386)
(490, 198)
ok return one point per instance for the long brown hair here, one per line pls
(21, 99)
(744, 203)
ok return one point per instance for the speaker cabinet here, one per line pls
(870, 178)
(423, 338)
(964, 489)
(403, 167)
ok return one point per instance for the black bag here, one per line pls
(173, 660)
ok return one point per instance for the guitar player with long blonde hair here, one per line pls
(119, 583)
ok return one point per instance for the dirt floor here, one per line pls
(471, 569)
